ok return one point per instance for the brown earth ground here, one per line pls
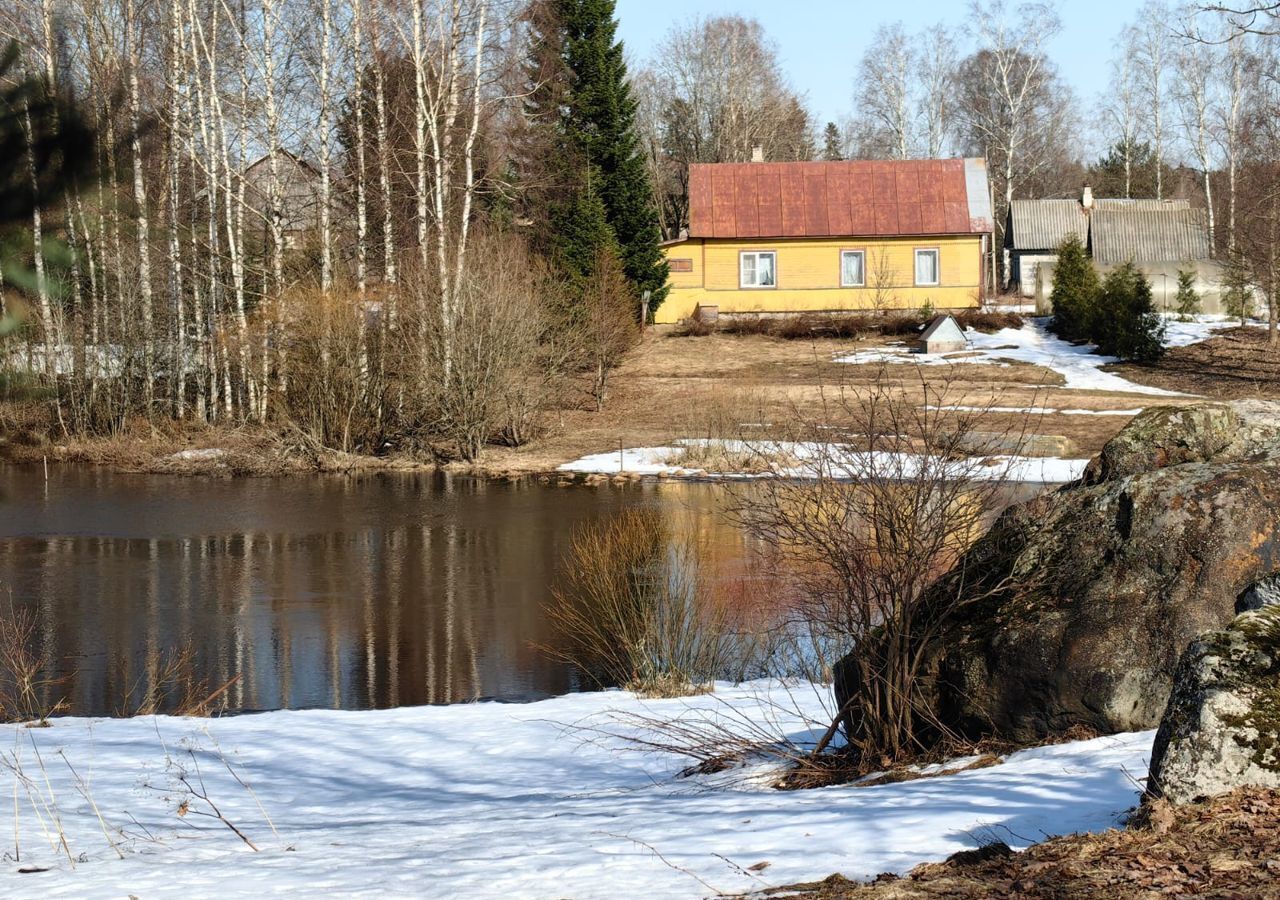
(1226, 848)
(676, 386)
(719, 385)
(1235, 365)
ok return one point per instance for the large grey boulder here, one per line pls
(1089, 594)
(1221, 730)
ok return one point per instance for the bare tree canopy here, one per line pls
(715, 92)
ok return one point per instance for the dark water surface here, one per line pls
(346, 591)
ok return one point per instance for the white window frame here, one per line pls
(863, 268)
(756, 254)
(937, 267)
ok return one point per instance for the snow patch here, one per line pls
(1079, 366)
(850, 462)
(495, 800)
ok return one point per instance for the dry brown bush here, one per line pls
(635, 609)
(27, 693)
(173, 685)
(835, 325)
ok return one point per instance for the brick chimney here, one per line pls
(1086, 199)
(757, 154)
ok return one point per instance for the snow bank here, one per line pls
(495, 800)
(665, 461)
(1080, 368)
(1039, 410)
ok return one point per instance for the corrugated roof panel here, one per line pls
(1139, 203)
(839, 219)
(746, 208)
(769, 200)
(978, 194)
(1045, 224)
(722, 203)
(1148, 234)
(815, 204)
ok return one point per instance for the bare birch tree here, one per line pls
(1011, 105)
(884, 89)
(1149, 42)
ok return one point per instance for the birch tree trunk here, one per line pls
(133, 39)
(326, 127)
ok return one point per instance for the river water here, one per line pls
(348, 592)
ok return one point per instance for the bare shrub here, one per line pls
(485, 372)
(335, 393)
(605, 323)
(25, 689)
(635, 609)
(175, 686)
(868, 534)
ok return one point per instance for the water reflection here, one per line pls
(349, 592)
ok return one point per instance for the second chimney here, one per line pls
(757, 154)
(1086, 199)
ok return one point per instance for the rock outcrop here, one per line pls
(1221, 730)
(1091, 593)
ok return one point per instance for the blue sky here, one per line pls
(821, 41)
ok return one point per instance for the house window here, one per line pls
(758, 269)
(853, 268)
(680, 265)
(926, 268)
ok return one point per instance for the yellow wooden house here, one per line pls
(832, 236)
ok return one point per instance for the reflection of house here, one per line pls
(817, 236)
(299, 195)
(1159, 236)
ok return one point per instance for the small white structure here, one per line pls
(944, 335)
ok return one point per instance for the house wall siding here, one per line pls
(808, 275)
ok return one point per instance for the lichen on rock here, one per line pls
(1221, 729)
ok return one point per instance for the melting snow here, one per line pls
(498, 800)
(1079, 366)
(666, 461)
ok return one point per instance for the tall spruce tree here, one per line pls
(549, 170)
(832, 150)
(599, 121)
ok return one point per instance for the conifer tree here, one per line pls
(599, 121)
(1126, 324)
(1075, 292)
(548, 170)
(1187, 300)
(1237, 287)
(581, 232)
(831, 150)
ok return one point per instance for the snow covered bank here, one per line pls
(667, 461)
(1079, 367)
(1039, 410)
(491, 800)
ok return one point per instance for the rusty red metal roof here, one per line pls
(839, 199)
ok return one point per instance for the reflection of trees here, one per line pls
(344, 593)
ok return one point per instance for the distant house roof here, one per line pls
(1116, 230)
(1145, 234)
(1044, 224)
(837, 199)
